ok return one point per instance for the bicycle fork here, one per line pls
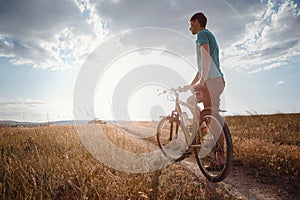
(174, 118)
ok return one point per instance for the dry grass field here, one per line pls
(50, 162)
(268, 145)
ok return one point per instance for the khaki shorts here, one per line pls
(209, 94)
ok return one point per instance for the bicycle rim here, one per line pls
(171, 143)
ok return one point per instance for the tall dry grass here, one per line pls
(268, 145)
(51, 163)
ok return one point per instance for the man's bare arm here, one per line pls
(205, 58)
(196, 79)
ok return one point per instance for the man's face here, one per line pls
(194, 27)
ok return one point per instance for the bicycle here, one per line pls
(208, 135)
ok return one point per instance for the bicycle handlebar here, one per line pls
(176, 90)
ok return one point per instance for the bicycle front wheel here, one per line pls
(170, 138)
(215, 155)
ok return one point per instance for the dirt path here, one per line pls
(243, 185)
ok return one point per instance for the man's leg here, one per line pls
(215, 87)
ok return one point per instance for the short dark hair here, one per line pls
(201, 19)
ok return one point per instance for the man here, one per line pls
(211, 83)
(208, 83)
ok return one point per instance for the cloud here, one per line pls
(20, 102)
(60, 34)
(275, 65)
(35, 109)
(270, 41)
(255, 71)
(279, 83)
(47, 34)
(223, 18)
(19, 108)
(268, 67)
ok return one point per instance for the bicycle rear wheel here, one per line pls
(215, 155)
(170, 138)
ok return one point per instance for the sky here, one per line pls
(110, 58)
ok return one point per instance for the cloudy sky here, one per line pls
(45, 44)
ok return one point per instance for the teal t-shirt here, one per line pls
(205, 36)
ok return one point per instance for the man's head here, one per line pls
(197, 23)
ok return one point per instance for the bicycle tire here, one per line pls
(170, 139)
(217, 174)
